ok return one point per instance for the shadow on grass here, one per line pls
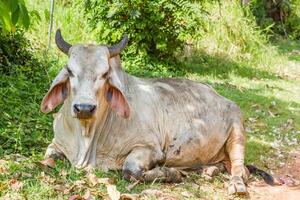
(221, 66)
(262, 126)
(289, 48)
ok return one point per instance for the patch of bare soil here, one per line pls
(289, 178)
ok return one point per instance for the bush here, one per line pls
(280, 16)
(228, 30)
(15, 52)
(155, 28)
(23, 80)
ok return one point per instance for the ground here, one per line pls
(269, 100)
(288, 175)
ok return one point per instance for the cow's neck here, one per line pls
(95, 133)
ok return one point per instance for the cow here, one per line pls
(111, 120)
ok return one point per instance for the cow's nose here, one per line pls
(84, 111)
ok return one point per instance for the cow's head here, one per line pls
(92, 72)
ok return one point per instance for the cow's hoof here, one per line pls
(237, 186)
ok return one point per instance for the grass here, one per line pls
(239, 62)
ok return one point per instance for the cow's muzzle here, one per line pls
(84, 111)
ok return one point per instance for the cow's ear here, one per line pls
(115, 92)
(57, 93)
(117, 101)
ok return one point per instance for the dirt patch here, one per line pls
(288, 175)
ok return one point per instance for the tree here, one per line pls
(14, 13)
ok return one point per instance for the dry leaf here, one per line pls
(129, 196)
(94, 180)
(62, 188)
(15, 184)
(15, 157)
(113, 193)
(3, 162)
(79, 183)
(3, 170)
(46, 178)
(75, 197)
(186, 194)
(63, 173)
(3, 186)
(87, 195)
(48, 162)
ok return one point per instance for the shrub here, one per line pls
(280, 16)
(23, 129)
(15, 52)
(154, 27)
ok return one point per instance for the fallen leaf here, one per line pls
(186, 194)
(94, 180)
(75, 197)
(113, 193)
(65, 189)
(15, 184)
(45, 178)
(79, 183)
(48, 162)
(15, 157)
(87, 195)
(3, 162)
(63, 173)
(3, 186)
(129, 196)
(106, 181)
(3, 170)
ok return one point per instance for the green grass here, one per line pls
(231, 54)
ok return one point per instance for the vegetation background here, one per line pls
(249, 51)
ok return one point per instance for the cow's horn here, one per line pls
(116, 49)
(61, 43)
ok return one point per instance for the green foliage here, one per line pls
(229, 31)
(154, 27)
(279, 16)
(23, 128)
(23, 80)
(13, 13)
(15, 53)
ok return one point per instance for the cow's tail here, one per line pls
(266, 176)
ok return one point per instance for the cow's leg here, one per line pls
(140, 160)
(53, 152)
(235, 147)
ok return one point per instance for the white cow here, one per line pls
(112, 120)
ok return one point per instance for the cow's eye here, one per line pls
(69, 71)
